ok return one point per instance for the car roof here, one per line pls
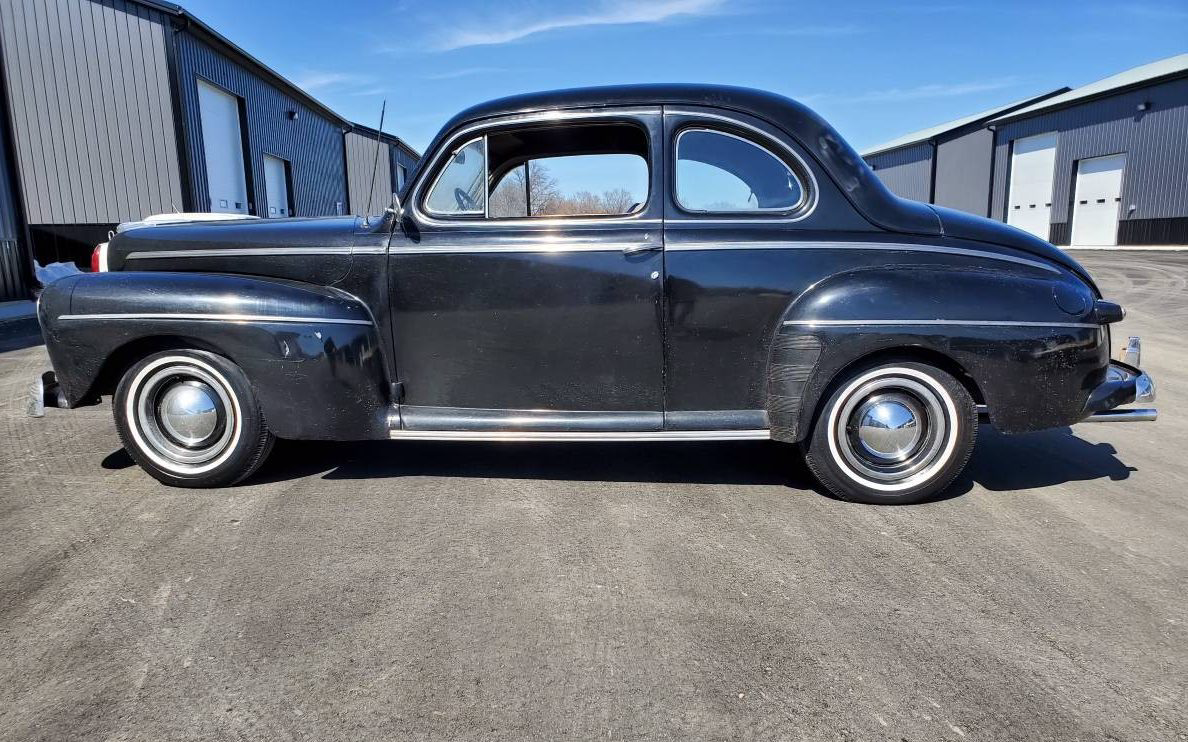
(721, 96)
(831, 152)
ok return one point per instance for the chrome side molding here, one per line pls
(580, 436)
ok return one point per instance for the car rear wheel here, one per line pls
(895, 433)
(190, 419)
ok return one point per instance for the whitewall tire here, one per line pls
(190, 419)
(893, 433)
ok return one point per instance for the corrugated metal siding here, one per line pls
(907, 171)
(361, 161)
(91, 109)
(1155, 143)
(312, 143)
(401, 157)
(963, 172)
(9, 224)
(12, 264)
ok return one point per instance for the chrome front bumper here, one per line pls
(1125, 384)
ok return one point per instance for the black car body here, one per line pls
(668, 320)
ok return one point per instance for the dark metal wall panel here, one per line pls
(362, 159)
(401, 157)
(9, 215)
(963, 172)
(311, 142)
(1155, 142)
(906, 171)
(14, 272)
(91, 109)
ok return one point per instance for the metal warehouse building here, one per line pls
(113, 110)
(949, 164)
(1103, 164)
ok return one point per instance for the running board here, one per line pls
(514, 436)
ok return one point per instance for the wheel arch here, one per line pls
(904, 353)
(125, 356)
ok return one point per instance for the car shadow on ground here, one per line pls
(1000, 463)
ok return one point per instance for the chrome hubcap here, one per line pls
(888, 426)
(891, 430)
(184, 415)
(189, 412)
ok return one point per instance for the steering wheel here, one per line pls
(465, 201)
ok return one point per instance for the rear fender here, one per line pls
(311, 353)
(1004, 334)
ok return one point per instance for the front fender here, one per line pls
(311, 353)
(1027, 344)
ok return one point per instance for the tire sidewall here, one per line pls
(828, 464)
(250, 441)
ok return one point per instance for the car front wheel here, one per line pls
(895, 433)
(190, 419)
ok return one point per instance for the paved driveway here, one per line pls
(462, 591)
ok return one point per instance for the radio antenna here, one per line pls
(375, 163)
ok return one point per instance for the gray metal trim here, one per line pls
(265, 318)
(1123, 416)
(231, 252)
(895, 246)
(959, 322)
(536, 247)
(579, 436)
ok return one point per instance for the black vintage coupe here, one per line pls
(642, 263)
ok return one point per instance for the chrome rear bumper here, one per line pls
(1125, 384)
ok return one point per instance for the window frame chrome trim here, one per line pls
(419, 215)
(462, 215)
(757, 211)
(814, 194)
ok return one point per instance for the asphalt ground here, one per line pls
(652, 591)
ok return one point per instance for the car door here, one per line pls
(526, 285)
(742, 203)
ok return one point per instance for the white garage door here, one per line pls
(1095, 206)
(1029, 200)
(276, 186)
(223, 145)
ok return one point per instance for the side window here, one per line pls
(577, 170)
(575, 185)
(461, 187)
(717, 172)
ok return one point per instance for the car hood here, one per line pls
(230, 237)
(969, 227)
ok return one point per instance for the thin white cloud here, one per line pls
(507, 27)
(918, 92)
(798, 31)
(465, 72)
(321, 80)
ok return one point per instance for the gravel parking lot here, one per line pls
(685, 591)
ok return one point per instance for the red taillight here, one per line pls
(95, 259)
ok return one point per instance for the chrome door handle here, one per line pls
(642, 247)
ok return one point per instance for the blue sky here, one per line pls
(876, 70)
